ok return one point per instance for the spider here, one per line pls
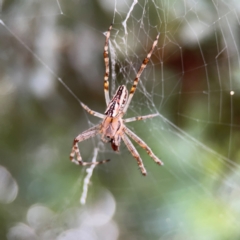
(113, 128)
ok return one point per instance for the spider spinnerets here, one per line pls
(113, 128)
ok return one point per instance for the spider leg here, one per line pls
(134, 152)
(139, 118)
(142, 67)
(90, 111)
(91, 132)
(143, 145)
(106, 61)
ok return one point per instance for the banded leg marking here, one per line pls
(90, 111)
(143, 145)
(142, 67)
(106, 61)
(135, 154)
(75, 149)
(133, 119)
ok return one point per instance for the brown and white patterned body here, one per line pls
(112, 125)
(113, 128)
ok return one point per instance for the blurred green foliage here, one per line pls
(188, 82)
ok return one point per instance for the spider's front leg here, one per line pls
(75, 150)
(135, 154)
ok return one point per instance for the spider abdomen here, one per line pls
(117, 103)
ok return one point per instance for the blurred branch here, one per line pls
(88, 177)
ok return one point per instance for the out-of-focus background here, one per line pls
(51, 57)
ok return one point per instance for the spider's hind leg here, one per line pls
(106, 61)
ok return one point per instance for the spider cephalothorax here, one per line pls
(112, 128)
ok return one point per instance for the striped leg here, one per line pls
(142, 144)
(96, 114)
(135, 154)
(75, 150)
(106, 61)
(136, 80)
(133, 119)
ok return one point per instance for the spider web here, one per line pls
(51, 53)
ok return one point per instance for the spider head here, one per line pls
(114, 145)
